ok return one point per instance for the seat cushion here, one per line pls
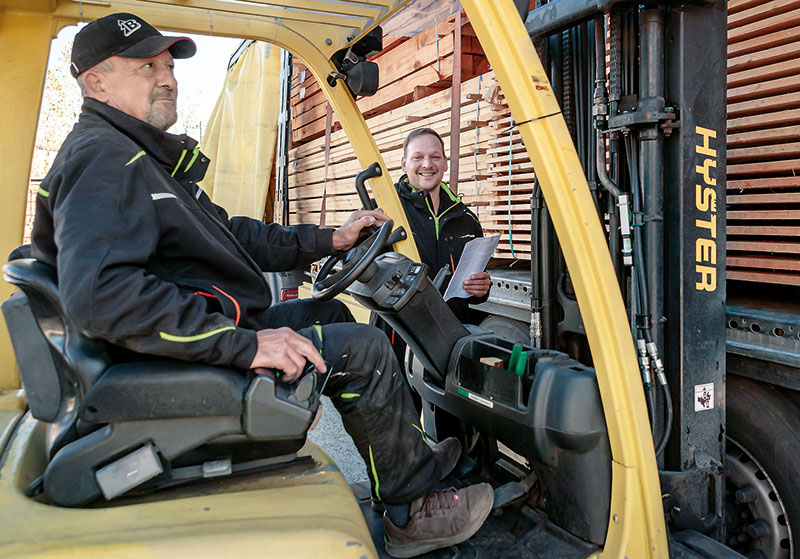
(163, 389)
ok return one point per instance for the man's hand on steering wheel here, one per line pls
(347, 235)
(285, 350)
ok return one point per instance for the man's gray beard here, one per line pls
(162, 119)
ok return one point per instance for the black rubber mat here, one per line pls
(516, 531)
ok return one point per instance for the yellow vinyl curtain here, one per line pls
(242, 131)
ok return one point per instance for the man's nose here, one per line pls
(166, 78)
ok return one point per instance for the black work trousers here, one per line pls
(369, 391)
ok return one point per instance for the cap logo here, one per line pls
(128, 26)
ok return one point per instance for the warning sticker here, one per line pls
(704, 397)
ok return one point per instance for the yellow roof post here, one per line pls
(636, 523)
(28, 37)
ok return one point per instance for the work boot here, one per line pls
(446, 454)
(439, 519)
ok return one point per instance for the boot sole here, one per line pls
(412, 550)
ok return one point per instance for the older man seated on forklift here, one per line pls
(147, 262)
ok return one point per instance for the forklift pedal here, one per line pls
(512, 491)
(507, 493)
(463, 467)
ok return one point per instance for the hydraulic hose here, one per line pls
(644, 339)
(536, 287)
(643, 314)
(662, 443)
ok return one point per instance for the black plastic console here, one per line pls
(550, 413)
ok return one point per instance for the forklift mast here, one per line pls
(642, 89)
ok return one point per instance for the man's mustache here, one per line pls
(166, 95)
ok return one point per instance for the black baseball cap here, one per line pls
(124, 35)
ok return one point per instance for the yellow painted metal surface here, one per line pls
(24, 48)
(636, 527)
(287, 513)
(242, 131)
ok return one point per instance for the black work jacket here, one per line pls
(441, 237)
(145, 260)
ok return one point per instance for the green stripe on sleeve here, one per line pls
(197, 338)
(135, 157)
(43, 193)
(349, 395)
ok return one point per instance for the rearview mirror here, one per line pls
(362, 78)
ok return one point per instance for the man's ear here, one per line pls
(94, 83)
(403, 164)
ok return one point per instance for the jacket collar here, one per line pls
(179, 155)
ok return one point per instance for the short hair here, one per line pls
(103, 66)
(421, 132)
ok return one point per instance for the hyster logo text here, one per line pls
(705, 253)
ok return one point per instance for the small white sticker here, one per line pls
(704, 397)
(476, 398)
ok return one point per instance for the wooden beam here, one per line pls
(763, 277)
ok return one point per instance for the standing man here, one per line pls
(146, 261)
(441, 223)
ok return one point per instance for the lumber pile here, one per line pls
(308, 179)
(496, 177)
(763, 178)
(411, 68)
(511, 180)
(415, 92)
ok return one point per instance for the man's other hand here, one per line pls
(478, 284)
(347, 235)
(285, 350)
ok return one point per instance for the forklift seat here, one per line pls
(147, 423)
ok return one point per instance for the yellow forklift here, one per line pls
(73, 440)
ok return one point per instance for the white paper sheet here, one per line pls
(476, 255)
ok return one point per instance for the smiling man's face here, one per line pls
(424, 162)
(144, 88)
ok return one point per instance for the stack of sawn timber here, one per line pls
(416, 92)
(411, 68)
(763, 162)
(307, 178)
(511, 180)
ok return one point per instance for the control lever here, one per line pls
(310, 383)
(367, 203)
(370, 172)
(396, 236)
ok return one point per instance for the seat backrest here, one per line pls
(57, 363)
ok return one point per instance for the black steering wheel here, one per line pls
(329, 284)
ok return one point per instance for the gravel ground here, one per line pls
(331, 436)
